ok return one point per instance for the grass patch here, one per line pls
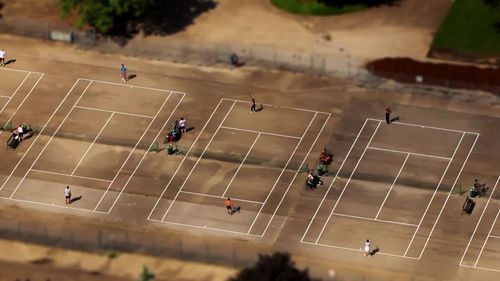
(314, 7)
(470, 27)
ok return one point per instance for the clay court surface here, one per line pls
(395, 184)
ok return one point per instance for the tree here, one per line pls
(492, 3)
(275, 267)
(127, 17)
(146, 275)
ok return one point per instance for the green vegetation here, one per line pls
(316, 7)
(146, 275)
(278, 266)
(471, 27)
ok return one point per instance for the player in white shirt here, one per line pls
(3, 54)
(367, 247)
(182, 125)
(67, 195)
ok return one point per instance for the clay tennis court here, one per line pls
(394, 184)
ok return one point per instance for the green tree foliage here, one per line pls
(146, 275)
(127, 17)
(275, 267)
(492, 3)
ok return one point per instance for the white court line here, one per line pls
(494, 236)
(482, 268)
(372, 219)
(144, 156)
(478, 222)
(260, 132)
(331, 184)
(221, 197)
(295, 176)
(130, 86)
(117, 112)
(47, 144)
(449, 194)
(204, 227)
(22, 102)
(427, 127)
(13, 94)
(433, 195)
(392, 186)
(487, 238)
(282, 171)
(183, 159)
(5, 97)
(92, 144)
(280, 107)
(407, 152)
(239, 166)
(38, 135)
(198, 160)
(68, 175)
(133, 150)
(356, 250)
(20, 70)
(348, 181)
(50, 205)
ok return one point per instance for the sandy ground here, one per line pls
(403, 30)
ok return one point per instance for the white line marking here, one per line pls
(331, 184)
(494, 236)
(356, 250)
(198, 160)
(478, 222)
(295, 176)
(407, 152)
(392, 186)
(204, 227)
(13, 94)
(241, 165)
(20, 70)
(183, 159)
(348, 181)
(482, 268)
(5, 97)
(487, 237)
(49, 205)
(372, 219)
(427, 127)
(221, 197)
(282, 171)
(280, 107)
(47, 144)
(131, 86)
(117, 112)
(92, 144)
(132, 151)
(449, 194)
(22, 102)
(434, 194)
(38, 135)
(68, 175)
(145, 154)
(259, 132)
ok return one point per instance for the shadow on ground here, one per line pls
(160, 18)
(368, 3)
(1, 7)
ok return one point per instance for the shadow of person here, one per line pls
(189, 129)
(260, 108)
(374, 251)
(394, 119)
(10, 61)
(75, 199)
(131, 76)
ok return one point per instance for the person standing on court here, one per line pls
(252, 108)
(388, 119)
(3, 54)
(229, 205)
(67, 195)
(182, 125)
(123, 71)
(367, 247)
